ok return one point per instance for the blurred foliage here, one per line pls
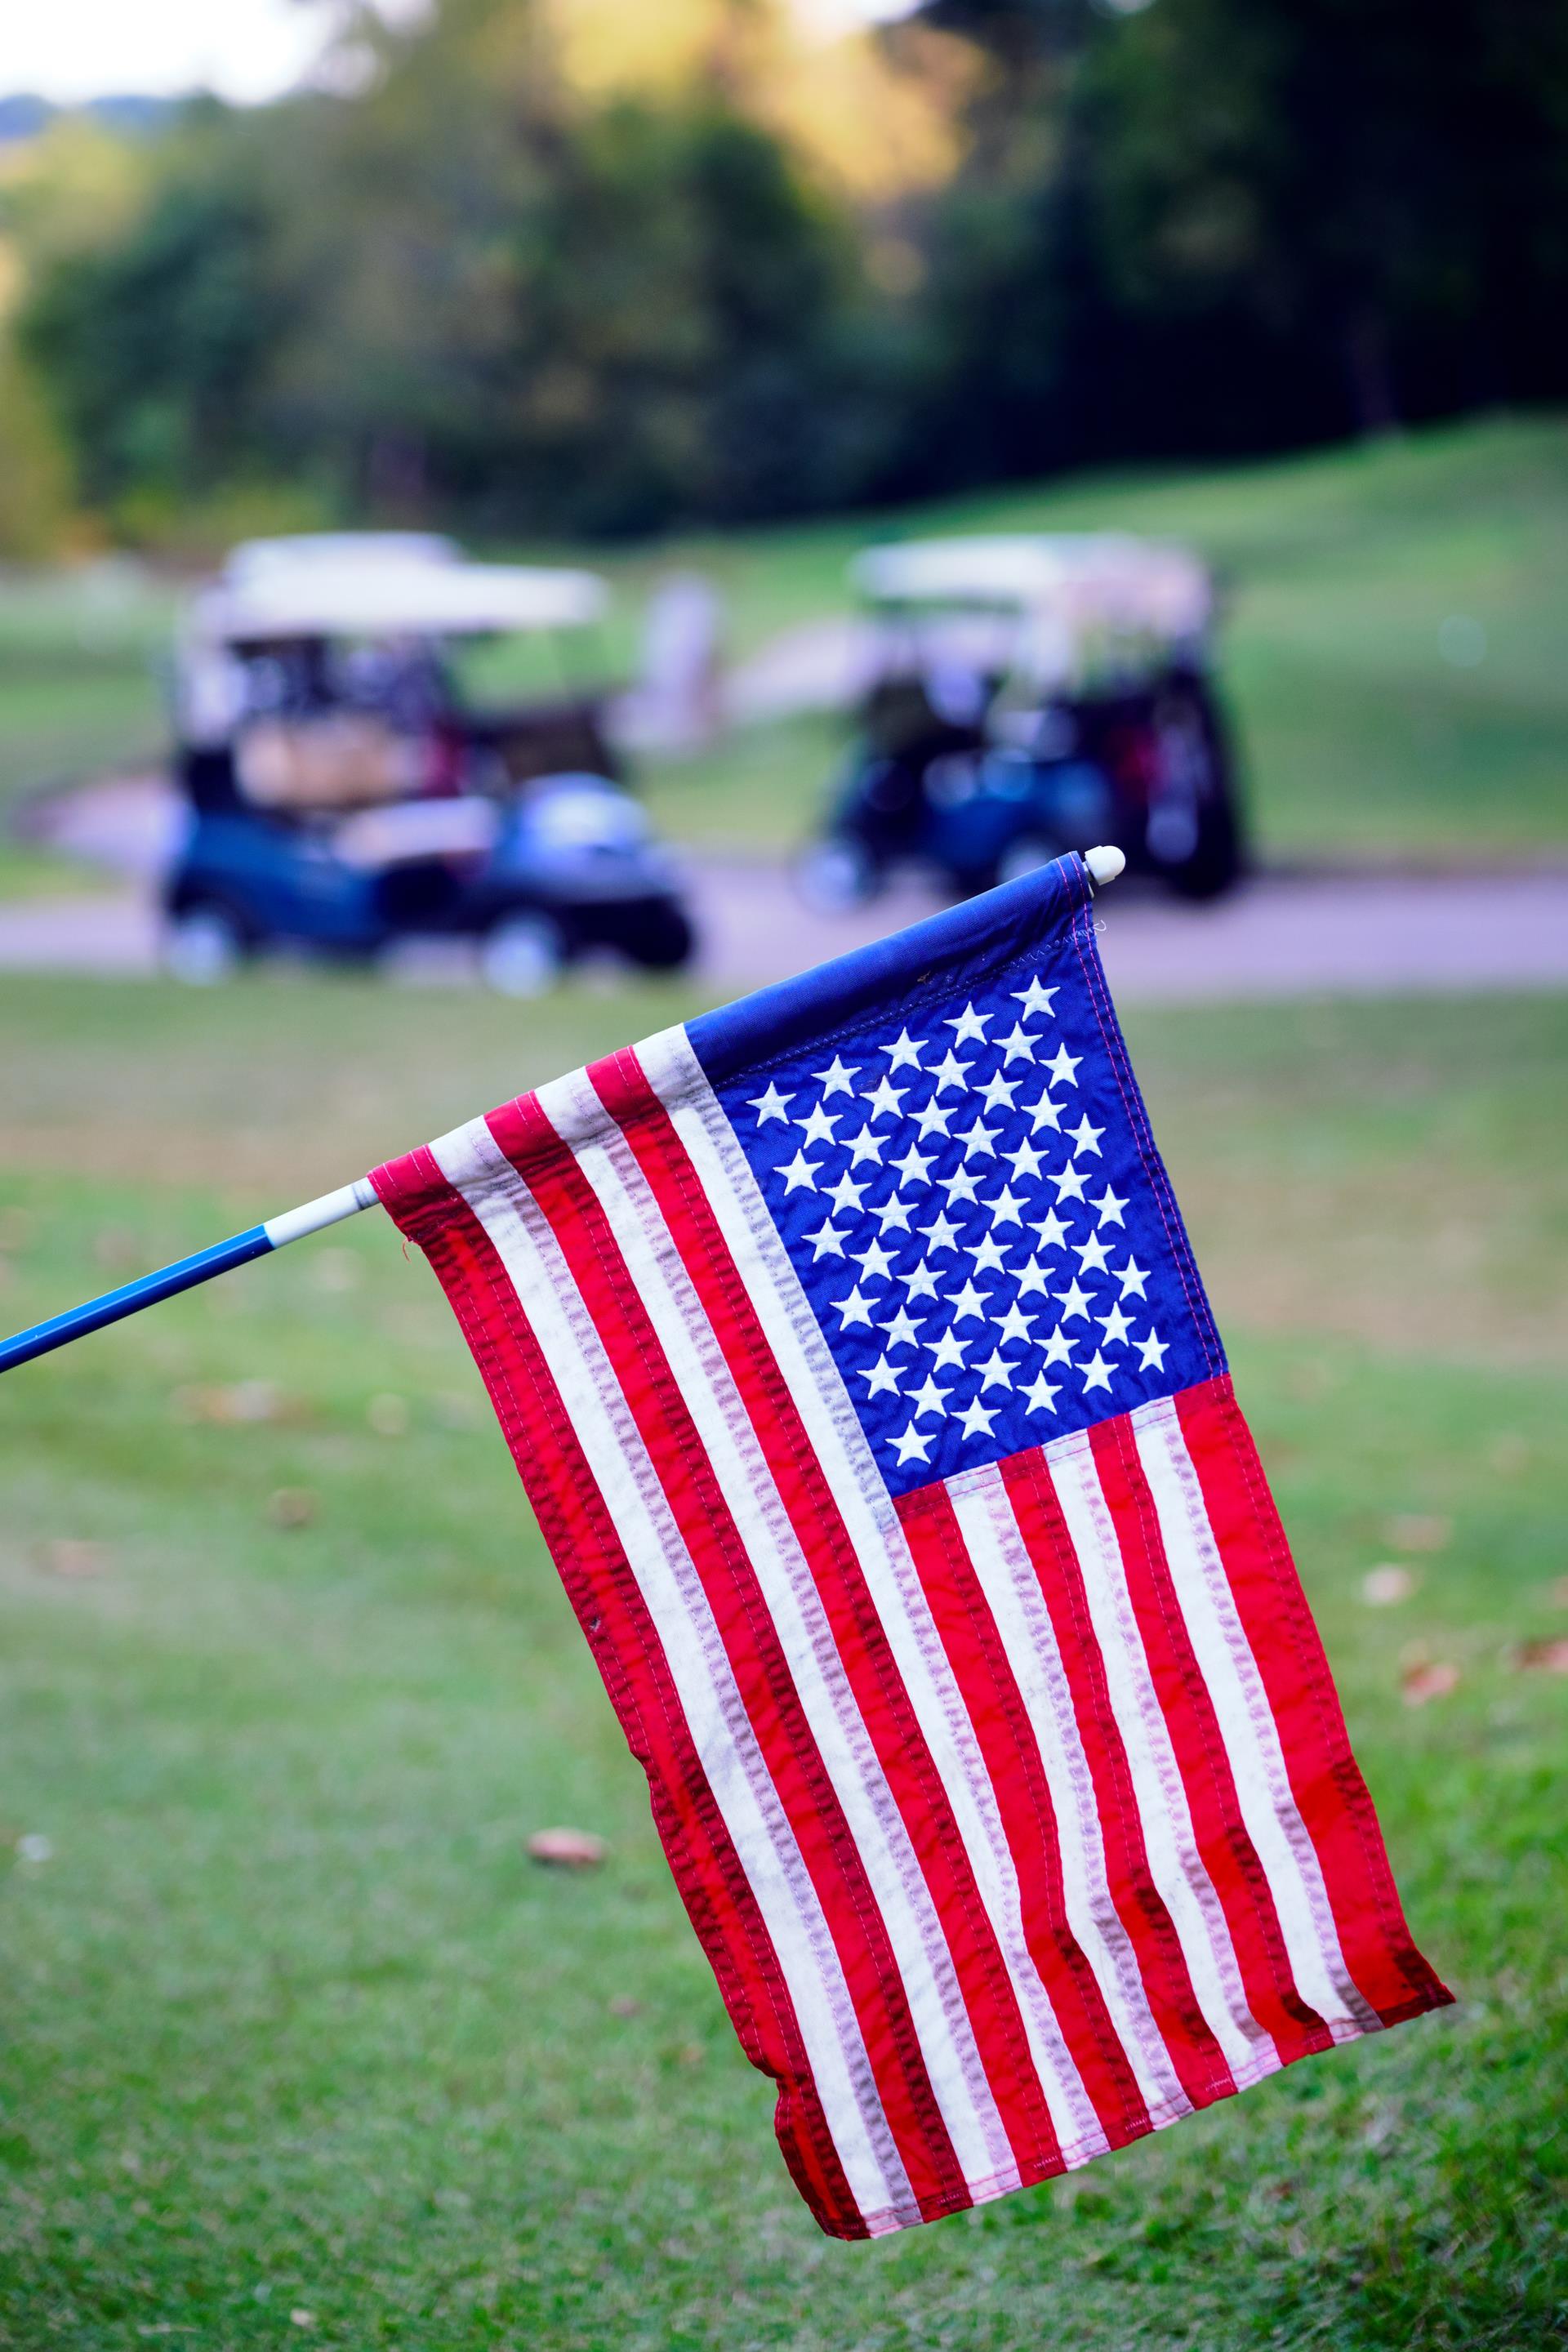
(1205, 226)
(519, 264)
(35, 479)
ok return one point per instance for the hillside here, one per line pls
(1394, 645)
(1394, 648)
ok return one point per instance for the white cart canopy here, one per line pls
(385, 583)
(1085, 581)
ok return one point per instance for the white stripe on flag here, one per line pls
(1012, 1588)
(866, 1507)
(1174, 1861)
(1247, 1725)
(473, 1163)
(696, 1363)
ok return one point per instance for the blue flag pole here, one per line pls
(1103, 866)
(257, 1241)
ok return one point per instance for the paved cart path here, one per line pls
(1284, 934)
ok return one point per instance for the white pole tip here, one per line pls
(1104, 864)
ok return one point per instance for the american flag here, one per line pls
(851, 1350)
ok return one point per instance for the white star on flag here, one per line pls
(967, 1024)
(905, 1052)
(817, 1125)
(950, 1072)
(1035, 998)
(883, 1099)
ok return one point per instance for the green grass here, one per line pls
(291, 2026)
(758, 791)
(1341, 569)
(81, 665)
(1360, 737)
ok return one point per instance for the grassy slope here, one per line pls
(292, 2026)
(1342, 566)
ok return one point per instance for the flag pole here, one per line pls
(257, 1241)
(1102, 865)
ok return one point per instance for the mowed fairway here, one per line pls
(300, 2048)
(1392, 647)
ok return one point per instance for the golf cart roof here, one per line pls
(385, 583)
(256, 558)
(1109, 578)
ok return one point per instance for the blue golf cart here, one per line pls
(1027, 696)
(350, 783)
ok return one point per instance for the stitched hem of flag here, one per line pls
(882, 2225)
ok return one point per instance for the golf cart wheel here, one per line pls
(1196, 839)
(664, 940)
(522, 955)
(833, 876)
(1027, 855)
(205, 944)
(1212, 861)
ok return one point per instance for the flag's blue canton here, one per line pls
(964, 1198)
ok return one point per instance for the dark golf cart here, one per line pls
(347, 789)
(1031, 696)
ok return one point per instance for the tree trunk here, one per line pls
(1368, 371)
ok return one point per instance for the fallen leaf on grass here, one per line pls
(1543, 1657)
(292, 1506)
(1419, 1531)
(623, 2005)
(238, 1403)
(68, 1556)
(568, 1849)
(1421, 1684)
(1385, 1586)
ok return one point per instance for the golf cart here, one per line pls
(1032, 694)
(351, 781)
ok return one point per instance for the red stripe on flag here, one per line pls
(1196, 2057)
(794, 1763)
(1330, 1793)
(1228, 1853)
(1012, 1755)
(872, 1671)
(626, 1645)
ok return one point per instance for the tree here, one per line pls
(35, 478)
(157, 345)
(1362, 197)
